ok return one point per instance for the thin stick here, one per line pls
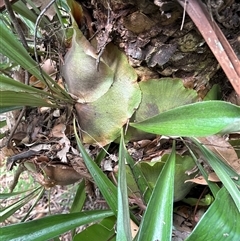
(16, 24)
(184, 14)
(15, 126)
(35, 33)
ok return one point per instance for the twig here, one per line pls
(15, 23)
(184, 14)
(35, 34)
(12, 160)
(15, 126)
(216, 41)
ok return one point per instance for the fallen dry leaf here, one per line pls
(222, 148)
(58, 130)
(198, 180)
(50, 13)
(65, 143)
(201, 180)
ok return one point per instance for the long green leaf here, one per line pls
(38, 197)
(142, 183)
(213, 186)
(198, 119)
(108, 190)
(9, 108)
(222, 170)
(123, 217)
(79, 198)
(24, 11)
(157, 220)
(13, 49)
(220, 222)
(7, 83)
(3, 123)
(103, 231)
(52, 226)
(13, 98)
(9, 210)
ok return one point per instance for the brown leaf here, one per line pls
(201, 180)
(58, 130)
(50, 13)
(198, 180)
(222, 148)
(213, 177)
(59, 174)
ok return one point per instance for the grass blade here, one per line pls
(123, 217)
(13, 49)
(108, 190)
(9, 210)
(157, 220)
(79, 198)
(143, 185)
(14, 99)
(8, 84)
(52, 226)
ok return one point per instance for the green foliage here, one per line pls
(9, 210)
(157, 220)
(158, 106)
(108, 190)
(123, 218)
(198, 119)
(152, 169)
(52, 226)
(229, 177)
(220, 222)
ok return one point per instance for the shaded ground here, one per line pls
(150, 37)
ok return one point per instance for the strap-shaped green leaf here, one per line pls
(52, 226)
(7, 83)
(198, 119)
(108, 190)
(14, 99)
(13, 49)
(157, 221)
(220, 222)
(9, 210)
(228, 176)
(123, 217)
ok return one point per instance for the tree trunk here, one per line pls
(160, 40)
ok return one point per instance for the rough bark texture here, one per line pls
(160, 42)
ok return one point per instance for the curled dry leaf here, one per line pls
(222, 148)
(201, 180)
(134, 228)
(58, 174)
(58, 130)
(48, 66)
(65, 144)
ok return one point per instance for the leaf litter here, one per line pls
(58, 133)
